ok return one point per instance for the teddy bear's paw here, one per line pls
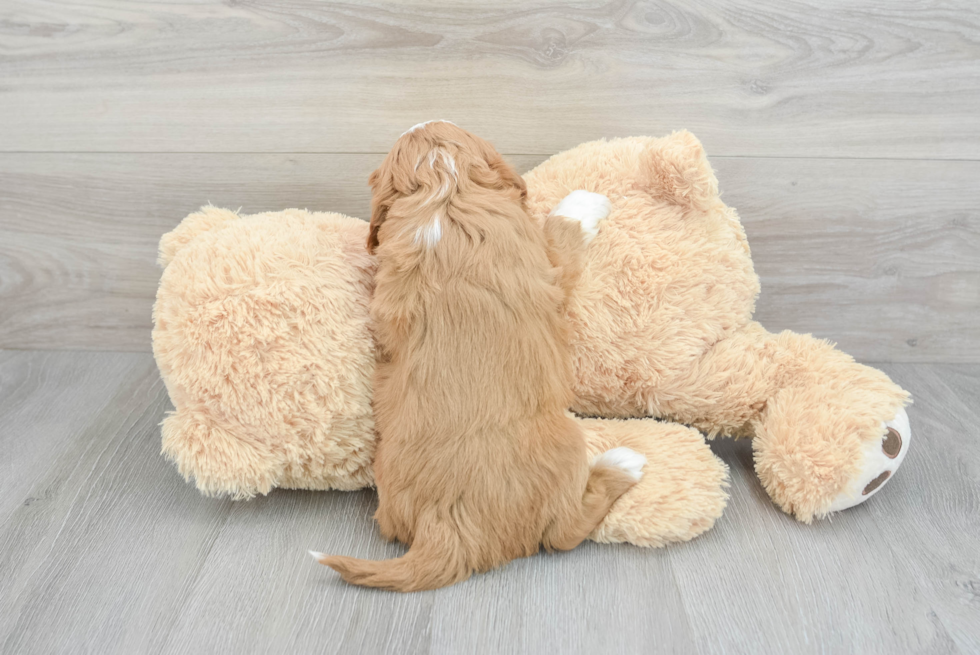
(623, 458)
(588, 208)
(880, 459)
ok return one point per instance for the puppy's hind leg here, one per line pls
(612, 474)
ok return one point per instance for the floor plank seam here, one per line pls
(506, 154)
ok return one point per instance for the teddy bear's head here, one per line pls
(260, 333)
(668, 275)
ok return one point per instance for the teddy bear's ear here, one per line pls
(207, 218)
(680, 172)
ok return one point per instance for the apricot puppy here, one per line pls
(477, 462)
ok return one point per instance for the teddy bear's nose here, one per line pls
(892, 443)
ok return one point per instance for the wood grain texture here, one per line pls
(51, 399)
(83, 548)
(118, 555)
(880, 256)
(805, 78)
(947, 411)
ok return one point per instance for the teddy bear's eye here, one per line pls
(892, 443)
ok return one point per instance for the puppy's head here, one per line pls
(430, 165)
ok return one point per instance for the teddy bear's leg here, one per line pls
(878, 463)
(221, 459)
(826, 429)
(682, 492)
(833, 433)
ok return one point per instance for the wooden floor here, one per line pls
(105, 549)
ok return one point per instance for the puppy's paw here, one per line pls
(588, 208)
(623, 458)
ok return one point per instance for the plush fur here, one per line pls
(477, 462)
(261, 335)
(661, 325)
(681, 496)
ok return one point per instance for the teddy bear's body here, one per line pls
(663, 326)
(262, 336)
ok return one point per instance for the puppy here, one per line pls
(477, 462)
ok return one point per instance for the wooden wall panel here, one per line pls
(881, 256)
(828, 79)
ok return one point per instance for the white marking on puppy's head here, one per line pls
(450, 163)
(423, 124)
(429, 235)
(449, 178)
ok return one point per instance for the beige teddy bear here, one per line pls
(663, 327)
(262, 336)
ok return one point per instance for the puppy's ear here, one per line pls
(508, 175)
(521, 184)
(379, 208)
(378, 215)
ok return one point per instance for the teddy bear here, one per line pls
(662, 325)
(262, 336)
(261, 333)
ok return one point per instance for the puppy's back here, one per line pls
(477, 462)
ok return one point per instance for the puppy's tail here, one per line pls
(436, 559)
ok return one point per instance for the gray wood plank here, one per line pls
(940, 551)
(880, 256)
(102, 558)
(48, 400)
(896, 574)
(125, 557)
(595, 599)
(856, 79)
(259, 574)
(49, 403)
(119, 555)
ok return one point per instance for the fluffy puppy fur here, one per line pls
(478, 462)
